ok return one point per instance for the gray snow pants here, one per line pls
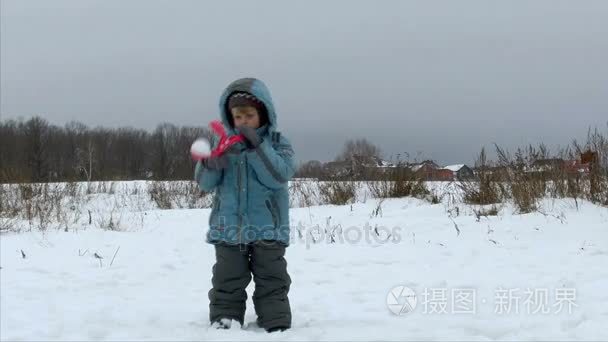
(232, 273)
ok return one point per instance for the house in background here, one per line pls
(426, 170)
(587, 161)
(456, 172)
(443, 175)
(546, 165)
(571, 167)
(430, 171)
(357, 167)
(574, 167)
(589, 157)
(492, 171)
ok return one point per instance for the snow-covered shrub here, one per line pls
(338, 192)
(160, 195)
(177, 194)
(303, 193)
(399, 183)
(484, 189)
(598, 177)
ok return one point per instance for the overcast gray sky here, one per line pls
(440, 78)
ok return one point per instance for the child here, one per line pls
(249, 222)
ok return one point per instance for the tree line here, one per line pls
(37, 151)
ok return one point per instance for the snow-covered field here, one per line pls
(534, 276)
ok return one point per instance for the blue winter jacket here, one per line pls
(251, 200)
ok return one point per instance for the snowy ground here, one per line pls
(156, 288)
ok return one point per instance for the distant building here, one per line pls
(546, 165)
(443, 175)
(425, 170)
(570, 167)
(457, 172)
(574, 167)
(589, 157)
(338, 169)
(357, 167)
(430, 171)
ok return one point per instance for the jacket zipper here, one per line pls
(238, 198)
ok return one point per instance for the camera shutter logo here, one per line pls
(401, 300)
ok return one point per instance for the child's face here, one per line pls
(245, 116)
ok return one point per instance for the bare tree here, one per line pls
(310, 169)
(11, 145)
(164, 150)
(85, 159)
(36, 134)
(358, 147)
